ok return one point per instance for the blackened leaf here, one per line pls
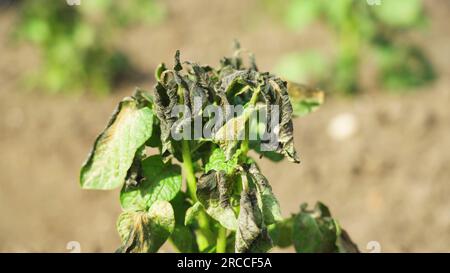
(142, 231)
(162, 181)
(252, 235)
(177, 65)
(270, 206)
(213, 191)
(286, 127)
(165, 100)
(143, 98)
(114, 149)
(232, 132)
(192, 212)
(304, 99)
(159, 70)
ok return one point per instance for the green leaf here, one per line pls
(162, 181)
(314, 232)
(192, 212)
(142, 231)
(115, 148)
(252, 235)
(270, 206)
(281, 233)
(183, 239)
(213, 192)
(317, 232)
(218, 162)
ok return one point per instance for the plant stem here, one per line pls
(221, 245)
(188, 167)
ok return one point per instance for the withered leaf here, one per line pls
(142, 231)
(115, 148)
(286, 127)
(270, 206)
(252, 235)
(213, 192)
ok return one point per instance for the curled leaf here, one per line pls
(270, 206)
(165, 101)
(286, 127)
(213, 192)
(252, 235)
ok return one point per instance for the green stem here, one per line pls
(221, 245)
(189, 170)
(188, 167)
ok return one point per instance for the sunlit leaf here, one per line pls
(162, 181)
(192, 212)
(218, 162)
(115, 148)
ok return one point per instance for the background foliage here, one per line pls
(360, 30)
(77, 42)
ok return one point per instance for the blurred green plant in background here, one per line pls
(361, 30)
(76, 41)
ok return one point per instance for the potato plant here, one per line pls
(227, 204)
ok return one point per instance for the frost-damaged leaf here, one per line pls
(252, 235)
(142, 231)
(270, 206)
(316, 232)
(304, 99)
(114, 149)
(213, 191)
(162, 181)
(286, 127)
(192, 212)
(165, 100)
(232, 132)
